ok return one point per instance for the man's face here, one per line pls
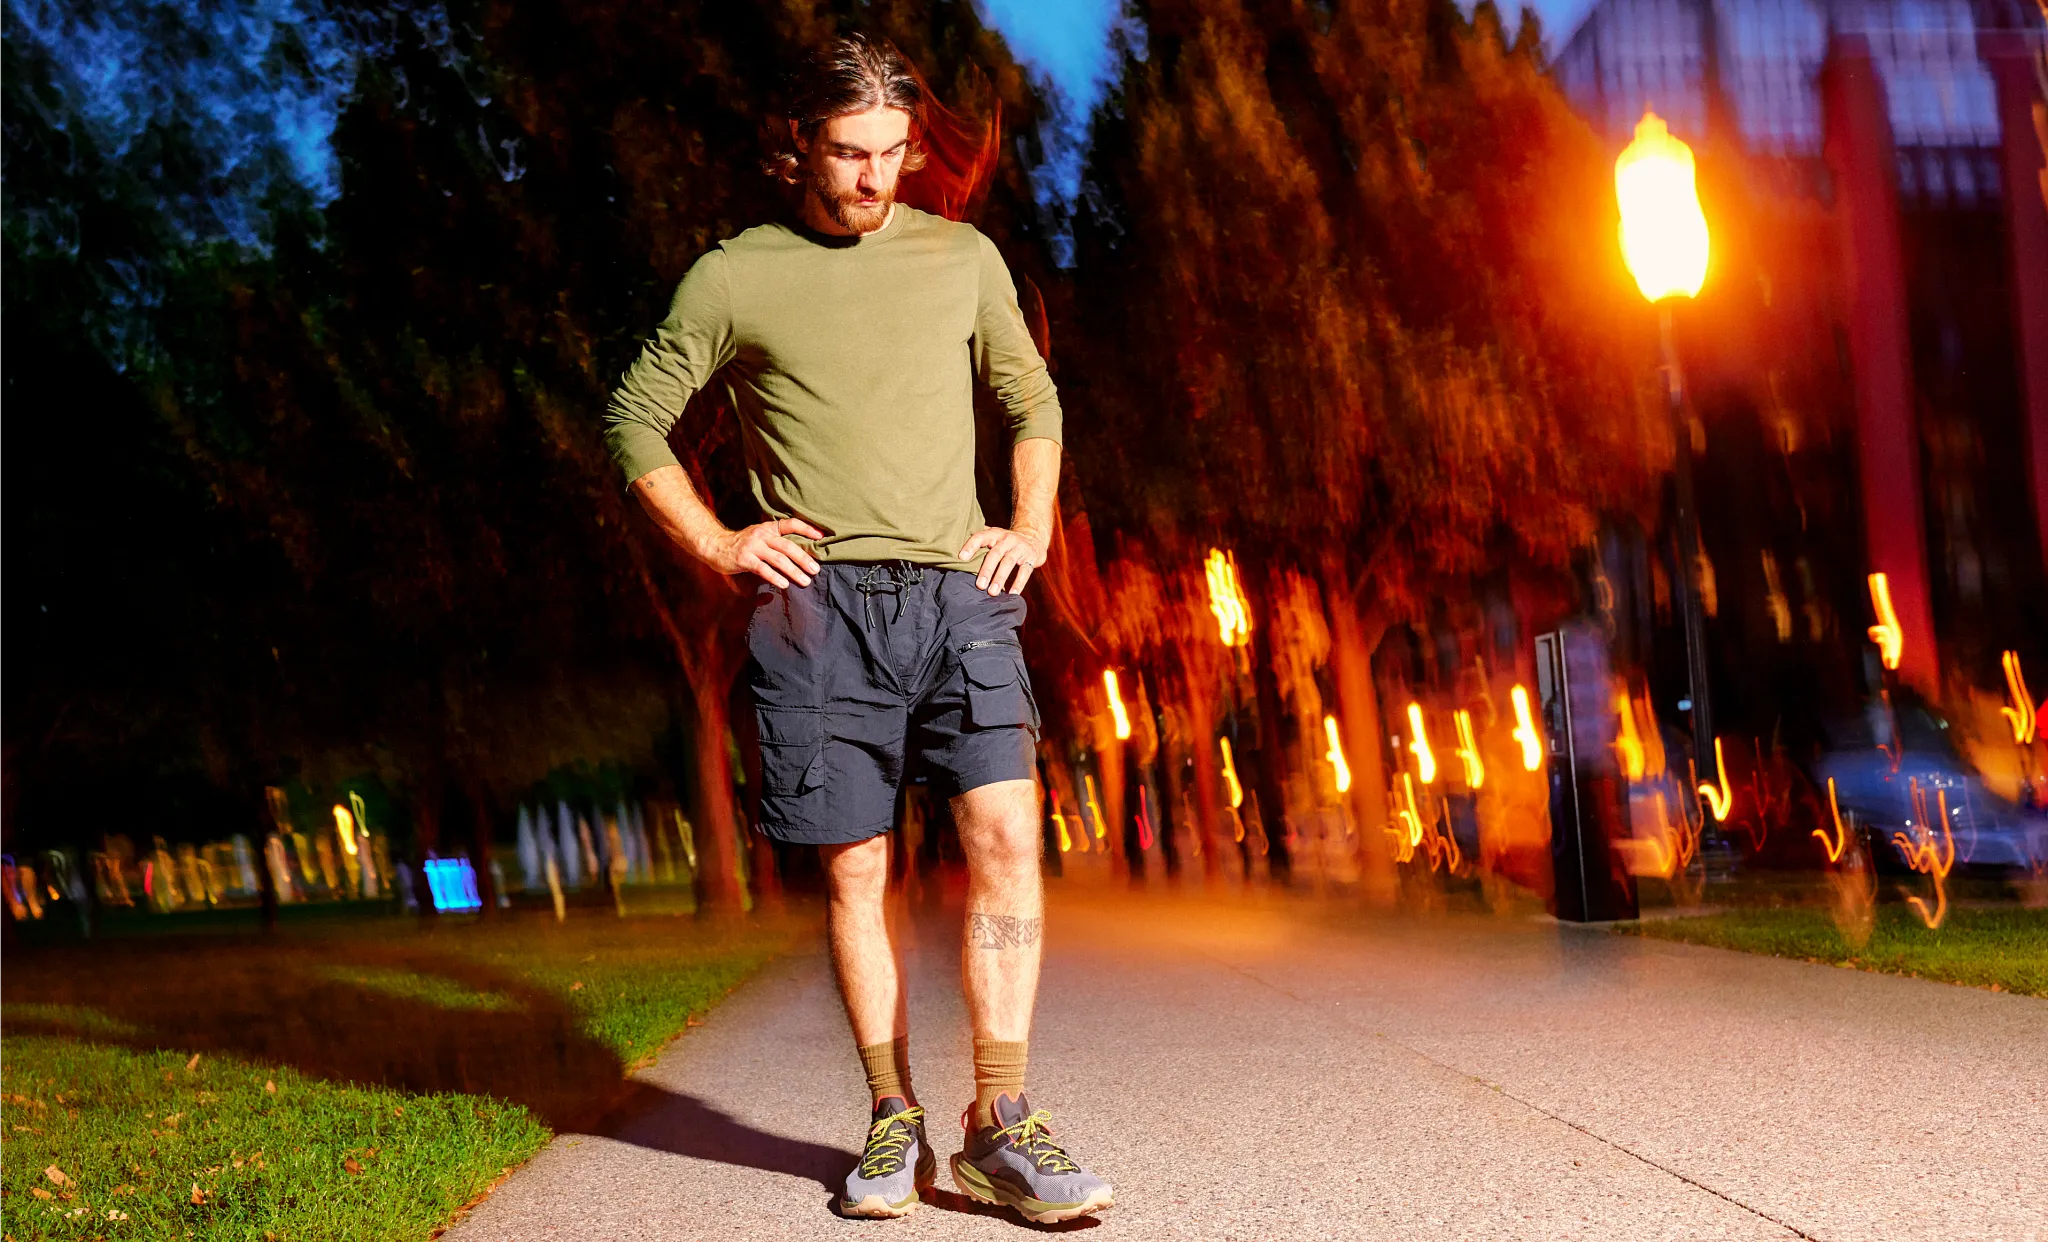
(853, 163)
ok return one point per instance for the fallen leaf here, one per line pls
(351, 1165)
(123, 1189)
(192, 1064)
(198, 1195)
(270, 1086)
(576, 986)
(56, 1175)
(40, 1193)
(398, 1110)
(173, 1119)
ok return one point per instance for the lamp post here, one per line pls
(1664, 242)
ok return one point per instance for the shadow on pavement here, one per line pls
(683, 1125)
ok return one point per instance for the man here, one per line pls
(885, 626)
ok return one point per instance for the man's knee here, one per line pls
(1005, 835)
(858, 871)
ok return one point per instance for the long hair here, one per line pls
(955, 156)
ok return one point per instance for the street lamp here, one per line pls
(1664, 242)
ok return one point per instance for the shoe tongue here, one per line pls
(890, 1105)
(1009, 1110)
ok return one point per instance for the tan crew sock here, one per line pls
(888, 1069)
(998, 1070)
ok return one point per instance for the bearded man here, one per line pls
(887, 616)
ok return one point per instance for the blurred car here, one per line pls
(1993, 835)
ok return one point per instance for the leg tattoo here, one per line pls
(1003, 931)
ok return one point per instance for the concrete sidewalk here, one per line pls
(1283, 1069)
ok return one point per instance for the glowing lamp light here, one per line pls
(345, 827)
(1663, 231)
(2023, 716)
(1336, 755)
(1116, 704)
(1425, 758)
(1468, 750)
(1230, 775)
(1719, 799)
(1226, 599)
(1525, 730)
(452, 883)
(1628, 743)
(1890, 640)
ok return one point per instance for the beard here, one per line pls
(847, 211)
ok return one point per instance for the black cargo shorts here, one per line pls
(875, 666)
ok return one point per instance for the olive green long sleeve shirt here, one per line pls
(851, 362)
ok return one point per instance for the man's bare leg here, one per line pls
(863, 954)
(1005, 924)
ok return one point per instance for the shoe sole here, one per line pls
(975, 1185)
(875, 1207)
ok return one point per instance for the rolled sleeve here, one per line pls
(690, 345)
(1005, 358)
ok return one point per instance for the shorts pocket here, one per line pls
(998, 688)
(792, 750)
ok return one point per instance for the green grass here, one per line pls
(2004, 950)
(432, 1056)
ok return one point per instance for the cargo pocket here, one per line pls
(792, 752)
(998, 689)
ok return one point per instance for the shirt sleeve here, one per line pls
(690, 345)
(1006, 360)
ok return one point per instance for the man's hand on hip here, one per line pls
(762, 549)
(1010, 552)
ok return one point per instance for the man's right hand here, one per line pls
(762, 549)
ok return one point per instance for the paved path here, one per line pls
(1284, 1070)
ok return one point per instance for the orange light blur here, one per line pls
(1226, 599)
(1425, 758)
(345, 827)
(1628, 743)
(1525, 730)
(1336, 755)
(1718, 797)
(2022, 715)
(1890, 640)
(1116, 704)
(1410, 833)
(1094, 806)
(1923, 855)
(1230, 779)
(1833, 845)
(1468, 749)
(1663, 231)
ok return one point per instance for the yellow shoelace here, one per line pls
(886, 1141)
(1033, 1137)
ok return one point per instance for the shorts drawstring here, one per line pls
(888, 577)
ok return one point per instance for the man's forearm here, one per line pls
(1035, 486)
(672, 501)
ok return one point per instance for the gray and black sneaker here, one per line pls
(1015, 1162)
(897, 1164)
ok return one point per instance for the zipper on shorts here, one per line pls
(986, 642)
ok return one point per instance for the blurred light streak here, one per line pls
(1094, 806)
(1628, 743)
(1230, 779)
(1525, 730)
(1468, 749)
(1775, 599)
(1833, 844)
(2023, 715)
(1922, 854)
(1890, 640)
(1663, 231)
(1116, 704)
(1719, 799)
(345, 827)
(1425, 758)
(1227, 599)
(452, 883)
(1335, 754)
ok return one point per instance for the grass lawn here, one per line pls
(2005, 950)
(354, 1081)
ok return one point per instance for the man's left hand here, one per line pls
(1009, 552)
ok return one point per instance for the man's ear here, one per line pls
(796, 134)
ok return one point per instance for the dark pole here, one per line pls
(1688, 554)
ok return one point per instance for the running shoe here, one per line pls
(1015, 1163)
(897, 1164)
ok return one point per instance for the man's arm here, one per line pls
(672, 501)
(1034, 486)
(1009, 363)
